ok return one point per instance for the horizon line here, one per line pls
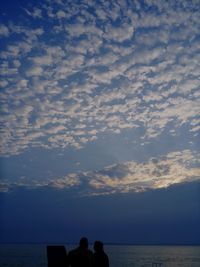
(105, 243)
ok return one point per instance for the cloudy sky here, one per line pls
(99, 104)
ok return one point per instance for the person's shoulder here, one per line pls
(90, 255)
(90, 252)
(73, 251)
(104, 255)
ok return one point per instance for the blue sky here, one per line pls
(99, 100)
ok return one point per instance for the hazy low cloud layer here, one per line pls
(173, 168)
(96, 68)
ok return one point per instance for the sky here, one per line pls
(100, 121)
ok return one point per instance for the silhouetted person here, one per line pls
(100, 257)
(81, 256)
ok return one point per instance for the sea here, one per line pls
(29, 255)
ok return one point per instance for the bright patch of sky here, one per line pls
(106, 90)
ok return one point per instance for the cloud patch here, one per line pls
(108, 66)
(119, 34)
(4, 31)
(174, 168)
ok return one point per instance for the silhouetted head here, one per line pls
(83, 242)
(98, 246)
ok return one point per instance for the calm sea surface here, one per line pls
(120, 256)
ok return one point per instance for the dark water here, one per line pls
(120, 256)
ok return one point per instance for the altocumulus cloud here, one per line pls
(173, 168)
(101, 67)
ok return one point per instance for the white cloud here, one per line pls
(4, 187)
(6, 71)
(56, 129)
(23, 83)
(119, 34)
(106, 72)
(44, 60)
(76, 30)
(68, 181)
(61, 14)
(16, 63)
(34, 71)
(35, 13)
(3, 83)
(102, 14)
(4, 31)
(174, 168)
(107, 59)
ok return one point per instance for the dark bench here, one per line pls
(56, 256)
(157, 264)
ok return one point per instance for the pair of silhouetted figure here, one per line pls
(83, 257)
(79, 257)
